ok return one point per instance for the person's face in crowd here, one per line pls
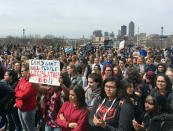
(64, 69)
(81, 63)
(130, 89)
(110, 89)
(160, 68)
(96, 61)
(115, 59)
(170, 75)
(149, 104)
(8, 60)
(134, 61)
(121, 64)
(149, 53)
(130, 62)
(90, 58)
(97, 69)
(92, 84)
(7, 77)
(73, 97)
(108, 71)
(148, 61)
(163, 61)
(161, 83)
(74, 58)
(25, 73)
(69, 70)
(140, 60)
(16, 54)
(115, 69)
(109, 58)
(17, 67)
(97, 55)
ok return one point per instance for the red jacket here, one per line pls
(26, 95)
(72, 114)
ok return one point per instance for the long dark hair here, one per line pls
(96, 78)
(120, 74)
(14, 75)
(110, 79)
(123, 92)
(168, 82)
(161, 104)
(134, 75)
(80, 93)
(164, 66)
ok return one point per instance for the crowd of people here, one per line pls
(109, 90)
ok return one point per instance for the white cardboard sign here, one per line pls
(44, 72)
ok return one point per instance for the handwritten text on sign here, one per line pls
(44, 71)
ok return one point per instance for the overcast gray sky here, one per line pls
(75, 18)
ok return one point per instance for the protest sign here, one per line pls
(121, 45)
(69, 50)
(44, 72)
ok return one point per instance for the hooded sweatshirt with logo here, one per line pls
(118, 117)
(25, 95)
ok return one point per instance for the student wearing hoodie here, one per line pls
(108, 113)
(73, 114)
(26, 100)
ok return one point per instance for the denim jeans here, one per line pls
(14, 121)
(27, 119)
(49, 128)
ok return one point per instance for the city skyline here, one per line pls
(78, 18)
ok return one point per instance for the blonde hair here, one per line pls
(25, 65)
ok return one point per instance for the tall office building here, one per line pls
(111, 35)
(106, 34)
(131, 29)
(97, 33)
(123, 30)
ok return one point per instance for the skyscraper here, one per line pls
(123, 30)
(106, 34)
(97, 33)
(131, 29)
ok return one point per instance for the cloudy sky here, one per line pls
(75, 18)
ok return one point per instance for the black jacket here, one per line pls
(162, 122)
(6, 96)
(119, 118)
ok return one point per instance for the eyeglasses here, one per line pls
(23, 71)
(161, 81)
(108, 70)
(150, 103)
(110, 87)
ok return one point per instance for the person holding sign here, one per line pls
(54, 98)
(26, 100)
